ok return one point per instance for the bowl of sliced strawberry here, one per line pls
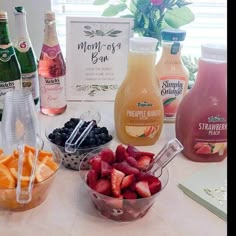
(119, 184)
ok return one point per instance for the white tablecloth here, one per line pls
(69, 212)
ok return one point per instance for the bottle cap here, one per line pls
(173, 34)
(143, 44)
(3, 15)
(50, 15)
(216, 52)
(19, 10)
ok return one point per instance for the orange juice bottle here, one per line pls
(138, 108)
(171, 74)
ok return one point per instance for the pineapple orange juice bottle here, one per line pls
(138, 108)
(171, 74)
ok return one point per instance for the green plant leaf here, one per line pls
(100, 2)
(113, 10)
(178, 17)
(168, 101)
(127, 16)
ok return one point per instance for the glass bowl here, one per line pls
(122, 210)
(40, 191)
(72, 160)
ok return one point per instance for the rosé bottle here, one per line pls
(52, 70)
(201, 119)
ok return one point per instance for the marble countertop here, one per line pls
(68, 211)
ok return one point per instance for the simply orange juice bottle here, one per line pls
(171, 74)
(138, 108)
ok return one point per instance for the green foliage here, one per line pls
(150, 16)
(191, 64)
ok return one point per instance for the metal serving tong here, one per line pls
(24, 194)
(72, 143)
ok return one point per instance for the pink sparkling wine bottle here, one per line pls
(52, 71)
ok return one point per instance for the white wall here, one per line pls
(35, 10)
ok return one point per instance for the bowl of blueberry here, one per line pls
(99, 135)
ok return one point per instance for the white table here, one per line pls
(68, 211)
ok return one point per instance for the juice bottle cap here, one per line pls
(19, 10)
(143, 44)
(216, 52)
(173, 34)
(3, 15)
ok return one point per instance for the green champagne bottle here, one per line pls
(10, 72)
(25, 54)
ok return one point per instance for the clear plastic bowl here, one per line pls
(72, 160)
(39, 192)
(123, 210)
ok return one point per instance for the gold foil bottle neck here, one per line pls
(3, 15)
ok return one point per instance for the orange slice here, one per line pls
(42, 172)
(1, 151)
(6, 159)
(43, 154)
(28, 149)
(6, 178)
(24, 179)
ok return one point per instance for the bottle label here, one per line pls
(23, 45)
(172, 91)
(51, 52)
(143, 120)
(211, 136)
(6, 53)
(6, 87)
(52, 92)
(30, 81)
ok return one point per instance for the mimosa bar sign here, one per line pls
(96, 56)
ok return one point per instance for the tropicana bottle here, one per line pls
(10, 73)
(25, 54)
(171, 74)
(52, 70)
(138, 108)
(201, 120)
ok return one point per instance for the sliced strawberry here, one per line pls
(107, 155)
(116, 179)
(126, 168)
(154, 186)
(142, 189)
(105, 169)
(92, 177)
(128, 194)
(103, 186)
(134, 152)
(120, 153)
(146, 176)
(95, 163)
(127, 181)
(144, 162)
(132, 161)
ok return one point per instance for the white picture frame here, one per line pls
(96, 56)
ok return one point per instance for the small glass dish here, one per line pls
(122, 210)
(72, 160)
(40, 191)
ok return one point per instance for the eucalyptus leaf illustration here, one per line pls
(93, 89)
(89, 32)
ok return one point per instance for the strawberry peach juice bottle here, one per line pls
(201, 120)
(138, 108)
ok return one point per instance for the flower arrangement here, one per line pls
(150, 16)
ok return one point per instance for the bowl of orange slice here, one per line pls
(47, 166)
